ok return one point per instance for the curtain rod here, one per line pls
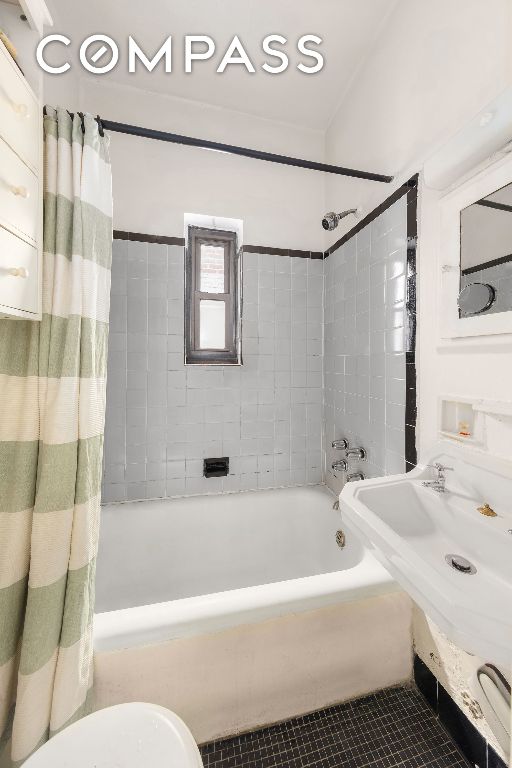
(256, 154)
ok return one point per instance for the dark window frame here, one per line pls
(231, 354)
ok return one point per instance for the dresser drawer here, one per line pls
(20, 121)
(18, 273)
(19, 194)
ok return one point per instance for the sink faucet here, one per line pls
(439, 482)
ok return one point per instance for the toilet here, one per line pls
(132, 735)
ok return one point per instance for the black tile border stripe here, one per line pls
(165, 240)
(388, 202)
(469, 740)
(411, 453)
(283, 252)
(139, 237)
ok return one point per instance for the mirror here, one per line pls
(476, 298)
(486, 255)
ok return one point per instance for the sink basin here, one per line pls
(414, 531)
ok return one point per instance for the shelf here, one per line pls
(489, 423)
(461, 438)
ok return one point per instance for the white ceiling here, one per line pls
(348, 28)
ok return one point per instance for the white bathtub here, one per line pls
(207, 593)
(172, 568)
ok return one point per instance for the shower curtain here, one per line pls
(52, 407)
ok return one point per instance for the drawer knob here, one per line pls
(18, 271)
(20, 191)
(21, 110)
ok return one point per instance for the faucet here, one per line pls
(439, 482)
(355, 476)
(356, 453)
(340, 466)
(340, 445)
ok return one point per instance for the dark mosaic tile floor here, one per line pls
(390, 728)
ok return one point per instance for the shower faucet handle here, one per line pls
(340, 445)
(356, 453)
(355, 476)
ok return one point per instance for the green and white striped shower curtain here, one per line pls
(52, 406)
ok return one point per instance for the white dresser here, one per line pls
(21, 194)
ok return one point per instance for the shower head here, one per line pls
(331, 220)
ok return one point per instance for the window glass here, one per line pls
(212, 278)
(212, 322)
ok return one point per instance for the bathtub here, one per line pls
(240, 610)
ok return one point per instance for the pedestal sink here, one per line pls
(454, 560)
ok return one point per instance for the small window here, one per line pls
(212, 306)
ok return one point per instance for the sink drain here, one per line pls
(340, 539)
(460, 563)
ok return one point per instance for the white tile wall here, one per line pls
(364, 356)
(317, 366)
(164, 417)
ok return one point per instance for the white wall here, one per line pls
(434, 66)
(155, 183)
